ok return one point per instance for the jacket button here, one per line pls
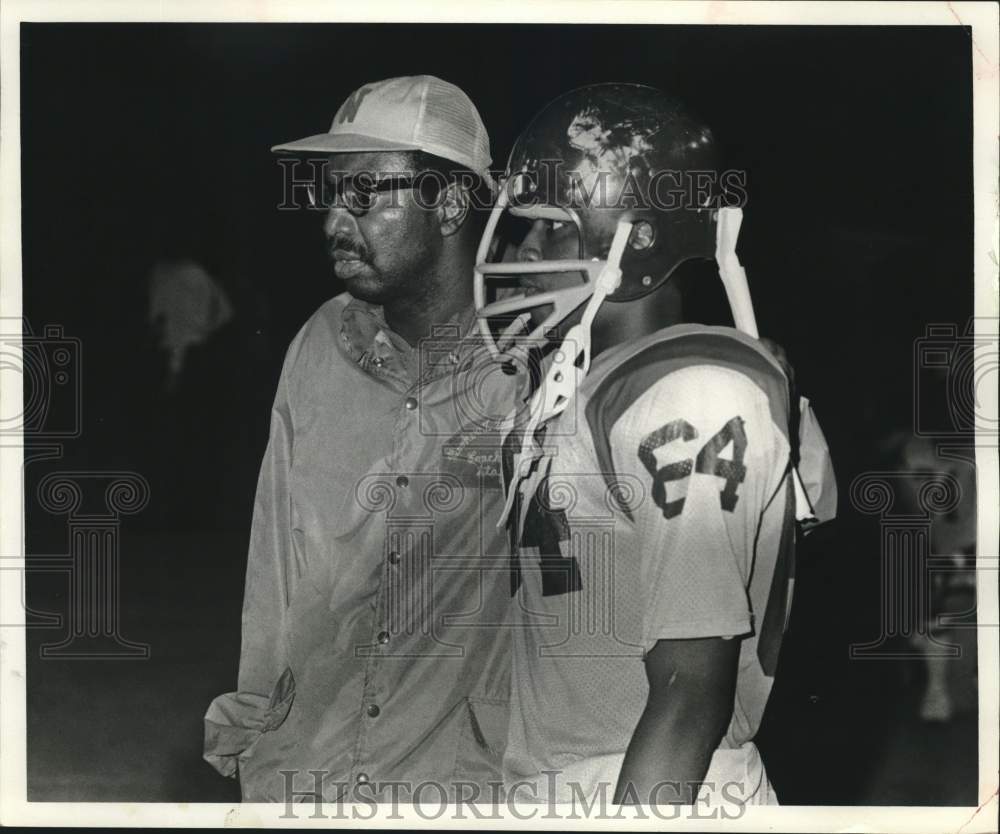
(373, 712)
(363, 778)
(410, 403)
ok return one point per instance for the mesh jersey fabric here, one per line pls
(660, 507)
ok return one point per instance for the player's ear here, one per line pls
(453, 208)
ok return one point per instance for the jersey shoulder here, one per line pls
(702, 368)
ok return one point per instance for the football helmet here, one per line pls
(637, 175)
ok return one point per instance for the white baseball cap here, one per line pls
(412, 113)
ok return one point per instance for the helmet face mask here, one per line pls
(599, 157)
(498, 297)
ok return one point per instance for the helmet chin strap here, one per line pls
(569, 366)
(734, 277)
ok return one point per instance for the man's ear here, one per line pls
(453, 208)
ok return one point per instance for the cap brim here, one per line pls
(342, 143)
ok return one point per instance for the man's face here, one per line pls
(387, 253)
(549, 240)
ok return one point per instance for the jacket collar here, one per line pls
(379, 351)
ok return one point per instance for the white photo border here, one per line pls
(982, 17)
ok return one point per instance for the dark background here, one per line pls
(142, 140)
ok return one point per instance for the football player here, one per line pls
(653, 494)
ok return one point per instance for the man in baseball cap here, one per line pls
(373, 657)
(417, 113)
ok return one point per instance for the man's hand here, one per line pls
(691, 690)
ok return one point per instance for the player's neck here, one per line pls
(627, 321)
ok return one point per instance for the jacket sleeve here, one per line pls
(235, 720)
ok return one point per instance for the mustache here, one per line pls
(343, 243)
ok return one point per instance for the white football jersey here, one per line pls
(660, 507)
